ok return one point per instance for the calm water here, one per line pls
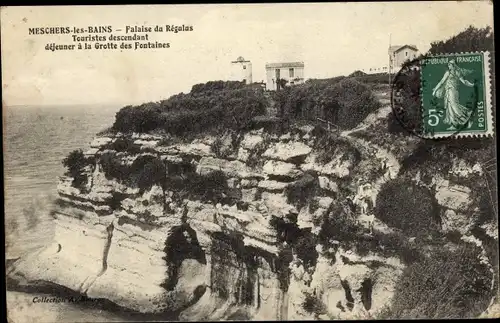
(36, 139)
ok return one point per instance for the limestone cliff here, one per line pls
(211, 229)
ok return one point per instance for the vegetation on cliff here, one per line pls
(343, 101)
(406, 206)
(450, 281)
(210, 106)
(75, 163)
(408, 209)
(446, 284)
(144, 172)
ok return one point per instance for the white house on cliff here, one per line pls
(400, 54)
(241, 70)
(292, 72)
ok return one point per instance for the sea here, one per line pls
(35, 141)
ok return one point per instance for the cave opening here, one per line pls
(235, 268)
(366, 293)
(348, 294)
(181, 244)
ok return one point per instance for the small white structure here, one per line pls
(241, 70)
(291, 72)
(376, 70)
(400, 54)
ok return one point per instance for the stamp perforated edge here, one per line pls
(487, 93)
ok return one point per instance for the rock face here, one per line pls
(198, 240)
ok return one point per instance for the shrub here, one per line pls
(106, 132)
(342, 101)
(270, 124)
(112, 167)
(212, 86)
(329, 146)
(379, 78)
(211, 187)
(188, 184)
(287, 231)
(147, 171)
(355, 102)
(116, 200)
(285, 257)
(214, 105)
(439, 154)
(448, 284)
(76, 162)
(305, 248)
(143, 118)
(339, 224)
(388, 245)
(124, 144)
(254, 158)
(313, 305)
(404, 205)
(226, 145)
(308, 101)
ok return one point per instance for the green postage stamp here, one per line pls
(456, 95)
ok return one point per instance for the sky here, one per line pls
(330, 38)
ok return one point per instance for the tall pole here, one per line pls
(390, 59)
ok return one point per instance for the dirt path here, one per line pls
(391, 162)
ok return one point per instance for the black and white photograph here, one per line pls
(256, 162)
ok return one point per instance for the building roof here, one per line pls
(285, 64)
(240, 59)
(397, 48)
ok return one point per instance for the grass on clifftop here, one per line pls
(217, 104)
(233, 105)
(343, 101)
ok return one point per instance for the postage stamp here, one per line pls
(456, 95)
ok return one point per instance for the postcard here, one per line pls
(259, 162)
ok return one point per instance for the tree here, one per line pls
(470, 40)
(75, 162)
(281, 83)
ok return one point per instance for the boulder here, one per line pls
(339, 167)
(287, 151)
(98, 142)
(328, 185)
(146, 143)
(273, 186)
(199, 149)
(234, 168)
(279, 168)
(277, 204)
(455, 197)
(249, 183)
(250, 141)
(242, 154)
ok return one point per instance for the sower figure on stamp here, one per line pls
(456, 115)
